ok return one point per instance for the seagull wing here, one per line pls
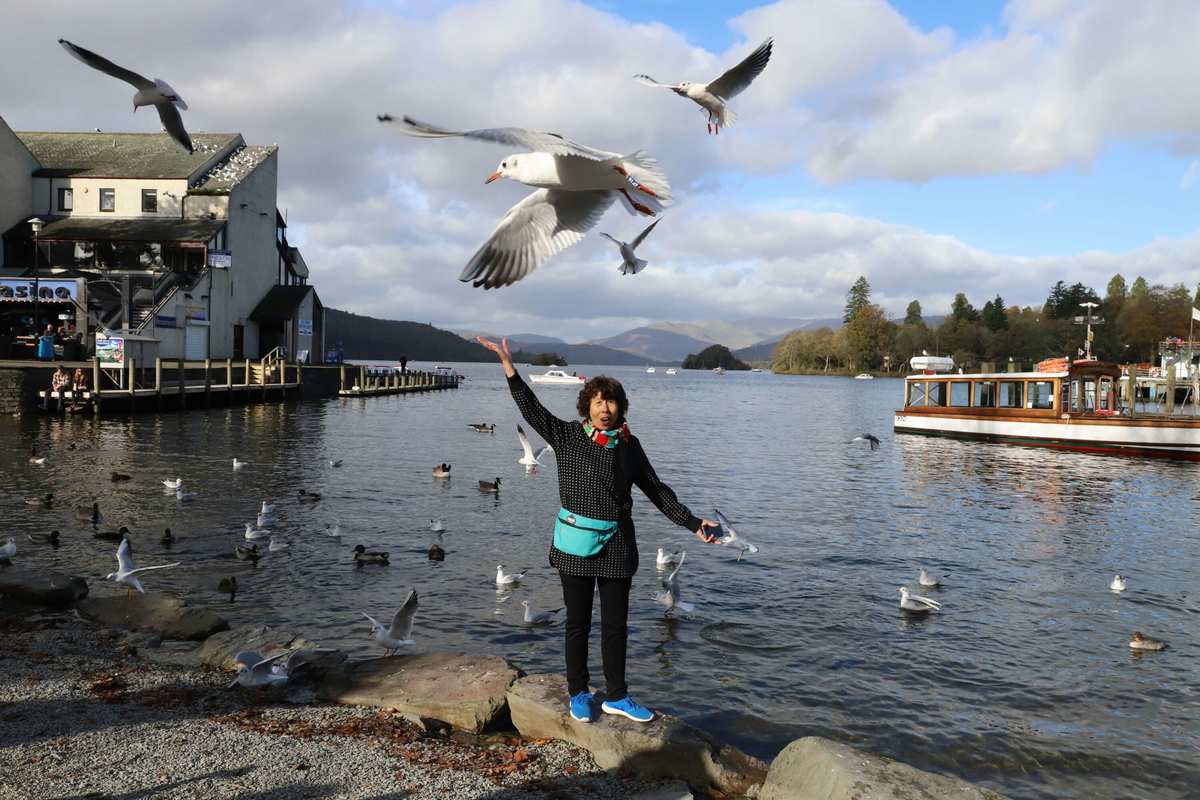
(735, 81)
(544, 223)
(107, 67)
(730, 533)
(248, 657)
(646, 80)
(264, 666)
(169, 114)
(374, 621)
(641, 236)
(402, 622)
(147, 569)
(537, 141)
(542, 452)
(525, 443)
(617, 242)
(124, 557)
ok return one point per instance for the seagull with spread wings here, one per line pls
(399, 633)
(127, 573)
(575, 184)
(630, 264)
(713, 97)
(157, 93)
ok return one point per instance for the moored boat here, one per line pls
(671, 370)
(1069, 405)
(649, 370)
(556, 376)
(718, 370)
(864, 376)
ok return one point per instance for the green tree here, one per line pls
(870, 336)
(994, 317)
(1115, 293)
(1063, 301)
(1139, 289)
(857, 298)
(913, 315)
(962, 310)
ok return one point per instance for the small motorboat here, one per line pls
(718, 371)
(671, 370)
(864, 376)
(556, 376)
(649, 370)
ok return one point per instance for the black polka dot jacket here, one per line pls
(595, 481)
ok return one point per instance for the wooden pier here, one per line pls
(359, 381)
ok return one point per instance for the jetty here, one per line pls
(363, 381)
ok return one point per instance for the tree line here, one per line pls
(1134, 318)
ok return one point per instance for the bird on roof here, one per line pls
(157, 93)
(713, 97)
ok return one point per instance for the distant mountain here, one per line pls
(386, 339)
(759, 352)
(589, 354)
(534, 338)
(654, 345)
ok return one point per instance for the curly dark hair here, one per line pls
(609, 389)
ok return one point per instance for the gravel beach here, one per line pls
(86, 712)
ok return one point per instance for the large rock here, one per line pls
(467, 692)
(25, 586)
(664, 748)
(814, 768)
(219, 649)
(153, 613)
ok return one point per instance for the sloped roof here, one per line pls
(131, 229)
(280, 303)
(126, 155)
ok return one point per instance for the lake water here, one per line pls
(1024, 682)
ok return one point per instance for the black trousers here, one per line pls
(614, 631)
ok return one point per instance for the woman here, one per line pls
(594, 544)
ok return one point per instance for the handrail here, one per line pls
(167, 295)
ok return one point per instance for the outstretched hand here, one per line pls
(501, 350)
(702, 532)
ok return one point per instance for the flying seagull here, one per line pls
(730, 537)
(576, 185)
(669, 597)
(399, 633)
(157, 93)
(530, 460)
(127, 573)
(868, 438)
(630, 264)
(713, 97)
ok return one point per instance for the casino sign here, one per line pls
(20, 290)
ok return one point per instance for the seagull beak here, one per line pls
(492, 177)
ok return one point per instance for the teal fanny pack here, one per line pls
(581, 536)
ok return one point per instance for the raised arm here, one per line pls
(664, 497)
(548, 426)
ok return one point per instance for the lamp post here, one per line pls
(35, 225)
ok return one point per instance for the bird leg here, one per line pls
(634, 181)
(649, 212)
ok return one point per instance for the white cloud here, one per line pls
(1190, 174)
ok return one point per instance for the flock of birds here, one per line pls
(574, 184)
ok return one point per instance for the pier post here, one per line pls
(362, 377)
(158, 383)
(1131, 390)
(342, 385)
(132, 384)
(229, 377)
(96, 385)
(1171, 389)
(247, 381)
(182, 396)
(208, 382)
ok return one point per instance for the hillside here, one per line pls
(654, 345)
(590, 354)
(388, 340)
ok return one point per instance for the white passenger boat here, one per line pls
(864, 376)
(671, 370)
(718, 370)
(556, 376)
(649, 370)
(1083, 405)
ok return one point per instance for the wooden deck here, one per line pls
(359, 382)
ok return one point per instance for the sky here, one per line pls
(984, 147)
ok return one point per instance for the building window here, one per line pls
(108, 199)
(916, 393)
(1041, 394)
(985, 394)
(960, 394)
(1010, 394)
(64, 199)
(149, 201)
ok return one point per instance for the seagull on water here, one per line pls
(535, 617)
(1117, 585)
(927, 580)
(1140, 642)
(277, 545)
(669, 596)
(915, 603)
(335, 463)
(437, 525)
(664, 559)
(157, 93)
(184, 497)
(267, 508)
(175, 484)
(399, 633)
(264, 520)
(127, 573)
(45, 501)
(713, 97)
(869, 439)
(529, 460)
(502, 578)
(631, 264)
(9, 549)
(253, 533)
(575, 184)
(731, 538)
(334, 531)
(238, 464)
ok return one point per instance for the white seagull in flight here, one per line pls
(157, 93)
(713, 97)
(529, 459)
(127, 573)
(399, 633)
(576, 185)
(630, 264)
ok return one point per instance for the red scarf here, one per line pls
(609, 439)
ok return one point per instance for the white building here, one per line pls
(186, 250)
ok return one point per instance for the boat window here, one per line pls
(916, 393)
(1089, 394)
(985, 394)
(1010, 394)
(1041, 394)
(960, 394)
(1106, 392)
(937, 393)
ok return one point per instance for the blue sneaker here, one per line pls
(627, 708)
(581, 706)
